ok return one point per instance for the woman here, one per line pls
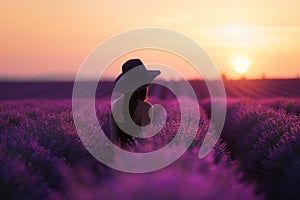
(137, 100)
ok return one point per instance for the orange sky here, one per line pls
(41, 38)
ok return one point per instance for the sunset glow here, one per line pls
(47, 38)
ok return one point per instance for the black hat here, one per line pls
(141, 73)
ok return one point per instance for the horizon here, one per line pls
(71, 78)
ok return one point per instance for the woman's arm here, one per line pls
(146, 113)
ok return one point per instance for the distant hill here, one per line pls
(234, 88)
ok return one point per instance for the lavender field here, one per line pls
(256, 157)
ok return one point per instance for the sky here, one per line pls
(42, 39)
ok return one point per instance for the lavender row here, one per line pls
(266, 143)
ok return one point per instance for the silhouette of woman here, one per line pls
(137, 100)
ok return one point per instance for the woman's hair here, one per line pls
(139, 94)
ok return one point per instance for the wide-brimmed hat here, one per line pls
(136, 73)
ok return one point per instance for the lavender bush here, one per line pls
(265, 142)
(43, 158)
(186, 179)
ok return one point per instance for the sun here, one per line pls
(241, 64)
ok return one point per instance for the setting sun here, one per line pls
(241, 64)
